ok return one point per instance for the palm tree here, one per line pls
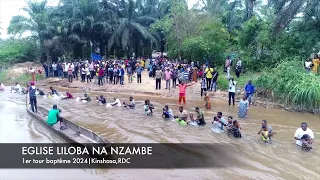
(132, 28)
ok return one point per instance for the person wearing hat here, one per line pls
(54, 117)
(33, 97)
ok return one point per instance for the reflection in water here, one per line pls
(281, 160)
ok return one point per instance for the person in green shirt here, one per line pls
(54, 117)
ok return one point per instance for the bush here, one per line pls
(292, 85)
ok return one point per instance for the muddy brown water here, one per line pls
(281, 160)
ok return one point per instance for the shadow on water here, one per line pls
(281, 160)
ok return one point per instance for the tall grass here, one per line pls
(292, 85)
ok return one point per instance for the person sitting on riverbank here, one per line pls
(182, 117)
(116, 103)
(302, 131)
(265, 134)
(1, 87)
(131, 105)
(16, 89)
(207, 103)
(68, 96)
(54, 117)
(167, 113)
(148, 108)
(101, 99)
(40, 92)
(86, 98)
(306, 142)
(53, 92)
(200, 117)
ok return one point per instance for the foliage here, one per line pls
(23, 79)
(17, 51)
(294, 86)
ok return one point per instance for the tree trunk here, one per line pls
(249, 9)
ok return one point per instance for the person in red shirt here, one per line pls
(182, 91)
(100, 76)
(69, 96)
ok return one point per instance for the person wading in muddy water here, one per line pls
(249, 90)
(54, 117)
(101, 99)
(33, 97)
(300, 132)
(182, 91)
(148, 108)
(131, 105)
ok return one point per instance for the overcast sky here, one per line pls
(9, 8)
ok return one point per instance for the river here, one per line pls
(281, 160)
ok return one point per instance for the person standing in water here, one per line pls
(148, 108)
(69, 96)
(86, 98)
(53, 92)
(101, 99)
(182, 91)
(33, 97)
(54, 117)
(182, 118)
(302, 131)
(167, 113)
(243, 107)
(207, 103)
(131, 105)
(221, 120)
(200, 117)
(116, 102)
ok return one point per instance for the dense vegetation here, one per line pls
(262, 34)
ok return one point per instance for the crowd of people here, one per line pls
(113, 72)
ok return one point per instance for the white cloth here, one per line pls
(232, 86)
(18, 87)
(239, 63)
(300, 132)
(308, 64)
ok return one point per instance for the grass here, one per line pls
(292, 85)
(23, 79)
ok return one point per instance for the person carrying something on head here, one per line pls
(68, 96)
(101, 99)
(167, 113)
(182, 117)
(86, 98)
(116, 102)
(148, 108)
(54, 117)
(182, 91)
(33, 97)
(300, 132)
(249, 89)
(131, 105)
(53, 92)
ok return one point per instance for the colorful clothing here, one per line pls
(243, 108)
(207, 103)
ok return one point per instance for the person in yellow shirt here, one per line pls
(208, 73)
(315, 64)
(142, 63)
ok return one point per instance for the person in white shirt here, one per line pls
(17, 88)
(115, 103)
(302, 131)
(238, 67)
(232, 90)
(308, 65)
(55, 70)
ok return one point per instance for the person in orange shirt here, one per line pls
(182, 91)
(315, 64)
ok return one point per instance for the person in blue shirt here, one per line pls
(249, 89)
(139, 70)
(167, 113)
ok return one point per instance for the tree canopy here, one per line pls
(258, 32)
